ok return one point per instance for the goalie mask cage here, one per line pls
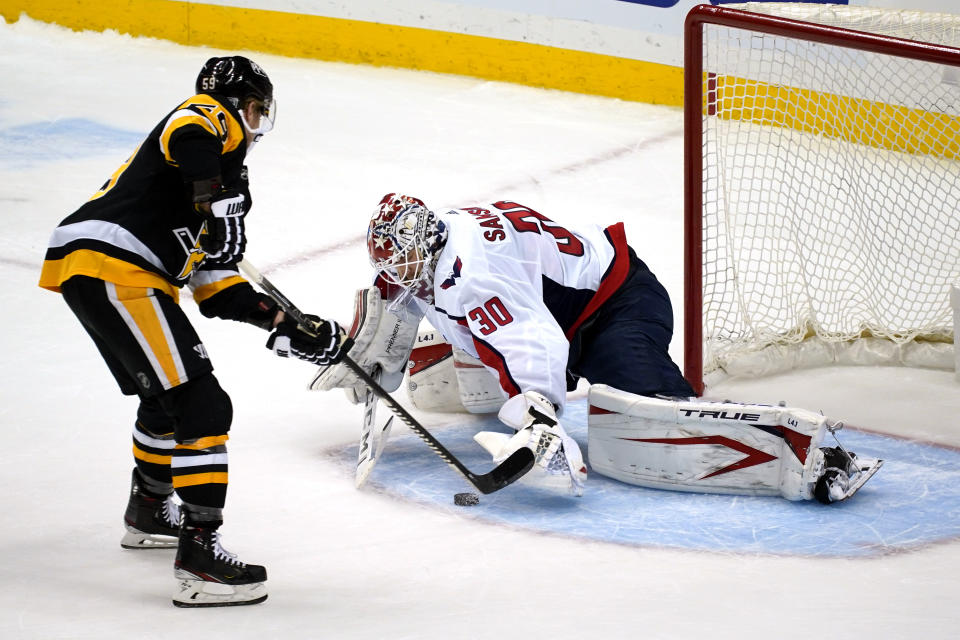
(822, 187)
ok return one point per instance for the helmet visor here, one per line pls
(268, 114)
(259, 116)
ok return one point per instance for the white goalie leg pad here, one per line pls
(447, 379)
(380, 338)
(480, 390)
(558, 461)
(191, 592)
(710, 447)
(431, 381)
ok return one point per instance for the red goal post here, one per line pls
(790, 124)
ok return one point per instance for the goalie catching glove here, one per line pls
(558, 460)
(380, 339)
(322, 342)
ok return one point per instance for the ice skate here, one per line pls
(152, 522)
(843, 474)
(210, 576)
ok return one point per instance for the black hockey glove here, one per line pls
(225, 239)
(327, 344)
(262, 314)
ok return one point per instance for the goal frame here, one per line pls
(697, 87)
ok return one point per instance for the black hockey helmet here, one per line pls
(235, 77)
(239, 78)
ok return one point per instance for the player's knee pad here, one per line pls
(201, 408)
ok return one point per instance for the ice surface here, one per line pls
(364, 564)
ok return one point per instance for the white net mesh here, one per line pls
(831, 189)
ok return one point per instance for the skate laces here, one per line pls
(171, 512)
(219, 553)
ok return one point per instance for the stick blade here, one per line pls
(505, 473)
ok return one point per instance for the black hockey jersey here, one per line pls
(140, 228)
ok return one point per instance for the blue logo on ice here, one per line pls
(901, 508)
(41, 142)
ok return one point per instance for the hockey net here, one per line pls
(822, 185)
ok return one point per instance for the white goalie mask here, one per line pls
(404, 240)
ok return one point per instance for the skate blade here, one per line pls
(138, 540)
(200, 593)
(868, 467)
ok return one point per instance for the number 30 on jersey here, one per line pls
(491, 316)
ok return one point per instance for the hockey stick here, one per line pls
(497, 478)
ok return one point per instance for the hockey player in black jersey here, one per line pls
(173, 215)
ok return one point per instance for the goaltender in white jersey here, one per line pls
(539, 305)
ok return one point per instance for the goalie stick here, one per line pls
(497, 478)
(371, 442)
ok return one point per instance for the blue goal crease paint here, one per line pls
(900, 509)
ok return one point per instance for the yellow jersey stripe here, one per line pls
(152, 458)
(87, 262)
(193, 479)
(203, 292)
(180, 119)
(218, 116)
(153, 328)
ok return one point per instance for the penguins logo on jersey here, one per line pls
(191, 246)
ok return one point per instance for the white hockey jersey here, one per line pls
(512, 287)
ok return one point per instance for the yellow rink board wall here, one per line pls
(874, 124)
(354, 41)
(360, 42)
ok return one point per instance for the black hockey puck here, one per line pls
(466, 499)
